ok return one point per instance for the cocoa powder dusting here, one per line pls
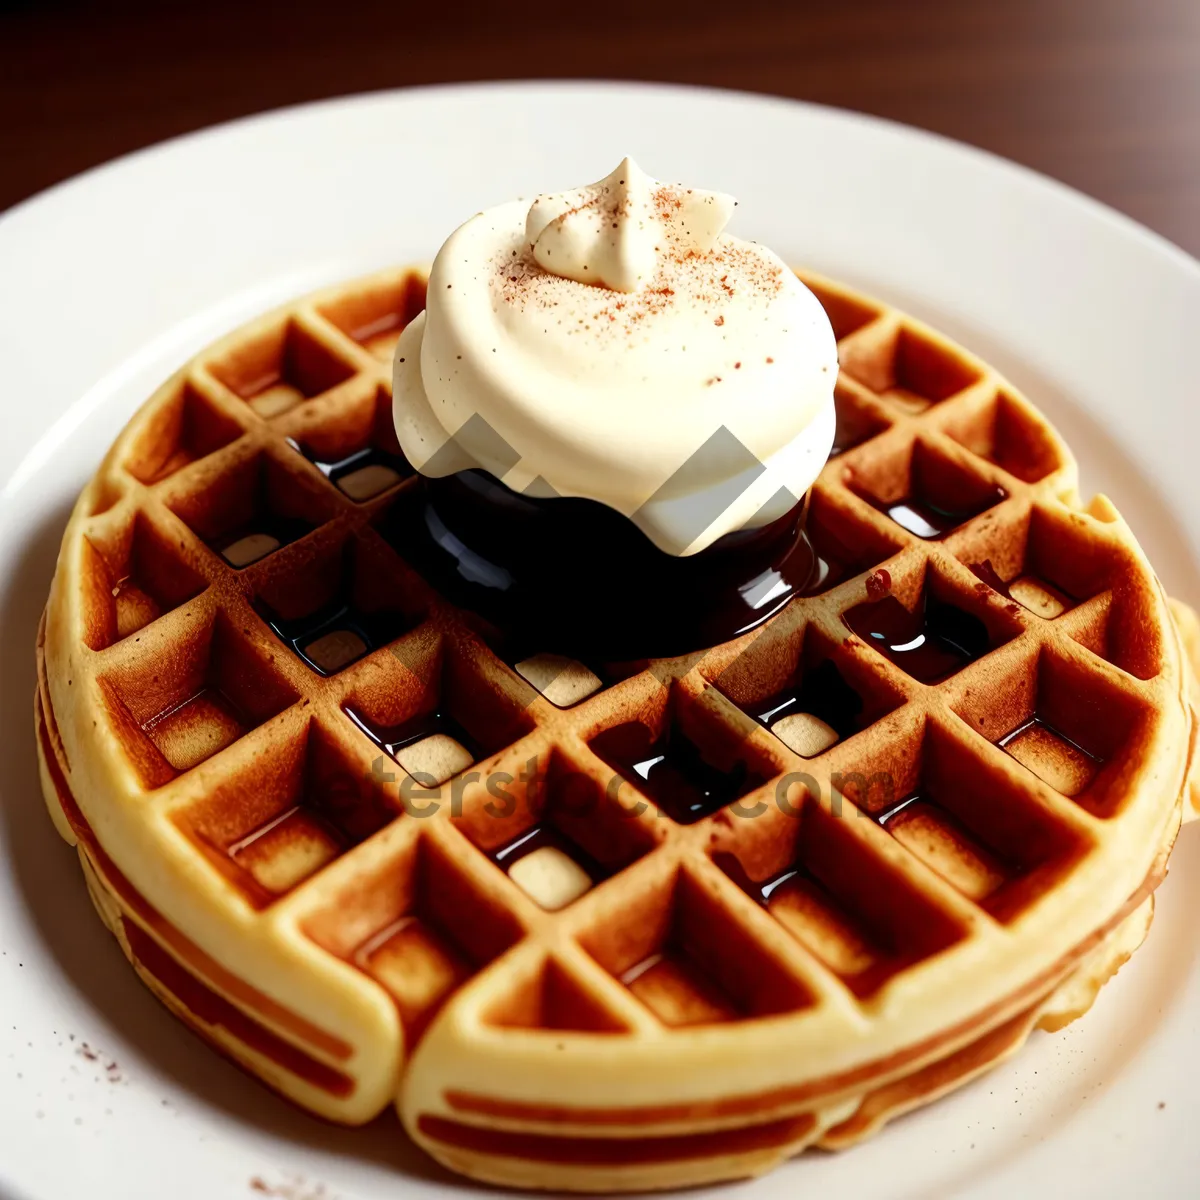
(293, 1187)
(707, 280)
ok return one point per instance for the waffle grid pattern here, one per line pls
(282, 800)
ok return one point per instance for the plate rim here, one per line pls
(183, 141)
(1147, 239)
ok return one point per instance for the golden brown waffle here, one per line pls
(646, 999)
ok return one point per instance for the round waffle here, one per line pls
(598, 926)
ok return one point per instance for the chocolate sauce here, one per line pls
(835, 561)
(575, 577)
(930, 521)
(823, 693)
(391, 739)
(931, 644)
(672, 772)
(311, 637)
(390, 469)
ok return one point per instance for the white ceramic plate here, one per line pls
(109, 282)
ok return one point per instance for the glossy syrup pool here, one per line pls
(431, 747)
(471, 536)
(931, 643)
(927, 520)
(823, 692)
(335, 635)
(363, 475)
(672, 771)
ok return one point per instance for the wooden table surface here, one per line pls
(1103, 94)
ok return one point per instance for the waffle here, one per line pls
(595, 926)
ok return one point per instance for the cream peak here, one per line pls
(612, 233)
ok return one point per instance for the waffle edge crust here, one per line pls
(235, 655)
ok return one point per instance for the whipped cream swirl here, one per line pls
(612, 342)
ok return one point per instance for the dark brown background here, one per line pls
(1103, 94)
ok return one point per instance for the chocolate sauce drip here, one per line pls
(824, 693)
(371, 456)
(575, 577)
(931, 644)
(672, 772)
(835, 561)
(391, 739)
(340, 615)
(930, 521)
